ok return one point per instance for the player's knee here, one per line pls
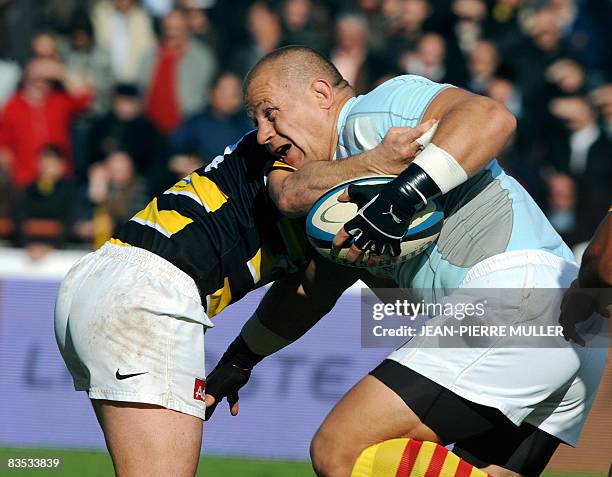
(329, 457)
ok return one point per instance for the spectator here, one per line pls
(305, 24)
(125, 128)
(584, 156)
(372, 11)
(562, 203)
(40, 113)
(177, 76)
(224, 116)
(266, 33)
(483, 64)
(115, 193)
(429, 58)
(199, 22)
(83, 59)
(602, 97)
(352, 56)
(181, 165)
(43, 212)
(406, 22)
(44, 46)
(124, 33)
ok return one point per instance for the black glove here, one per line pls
(230, 374)
(385, 211)
(380, 223)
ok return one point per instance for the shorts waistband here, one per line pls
(155, 264)
(516, 258)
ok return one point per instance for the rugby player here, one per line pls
(591, 292)
(506, 409)
(130, 318)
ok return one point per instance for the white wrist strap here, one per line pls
(443, 168)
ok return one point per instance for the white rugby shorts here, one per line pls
(130, 327)
(551, 388)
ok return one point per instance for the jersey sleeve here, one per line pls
(401, 101)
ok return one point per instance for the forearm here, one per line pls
(596, 269)
(299, 190)
(473, 129)
(295, 304)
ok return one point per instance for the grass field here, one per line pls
(98, 464)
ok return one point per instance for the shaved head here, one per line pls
(295, 66)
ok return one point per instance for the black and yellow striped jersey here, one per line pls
(219, 226)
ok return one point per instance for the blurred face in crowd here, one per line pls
(184, 164)
(483, 59)
(562, 192)
(602, 98)
(264, 26)
(543, 28)
(44, 45)
(432, 50)
(473, 10)
(124, 5)
(175, 29)
(501, 90)
(126, 108)
(576, 112)
(120, 168)
(351, 33)
(294, 119)
(40, 74)
(226, 96)
(296, 13)
(51, 166)
(81, 39)
(414, 13)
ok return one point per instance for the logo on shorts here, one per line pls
(121, 377)
(199, 389)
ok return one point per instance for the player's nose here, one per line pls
(265, 133)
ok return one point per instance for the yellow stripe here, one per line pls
(423, 459)
(218, 300)
(256, 263)
(282, 165)
(478, 473)
(450, 465)
(388, 457)
(364, 465)
(119, 242)
(207, 191)
(169, 220)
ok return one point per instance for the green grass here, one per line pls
(98, 464)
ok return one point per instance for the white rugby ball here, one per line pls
(327, 216)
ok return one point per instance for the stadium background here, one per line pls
(106, 102)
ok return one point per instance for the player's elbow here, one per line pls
(289, 205)
(500, 122)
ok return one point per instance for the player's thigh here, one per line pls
(369, 413)
(149, 440)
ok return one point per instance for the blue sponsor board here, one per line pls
(280, 409)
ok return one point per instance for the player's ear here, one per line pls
(323, 93)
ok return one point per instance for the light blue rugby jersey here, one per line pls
(489, 214)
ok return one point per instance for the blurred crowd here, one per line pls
(105, 102)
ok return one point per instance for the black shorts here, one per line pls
(482, 435)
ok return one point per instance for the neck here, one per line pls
(343, 97)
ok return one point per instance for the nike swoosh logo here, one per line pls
(120, 376)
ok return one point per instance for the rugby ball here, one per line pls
(327, 216)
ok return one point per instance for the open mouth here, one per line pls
(282, 151)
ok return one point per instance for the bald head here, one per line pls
(295, 66)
